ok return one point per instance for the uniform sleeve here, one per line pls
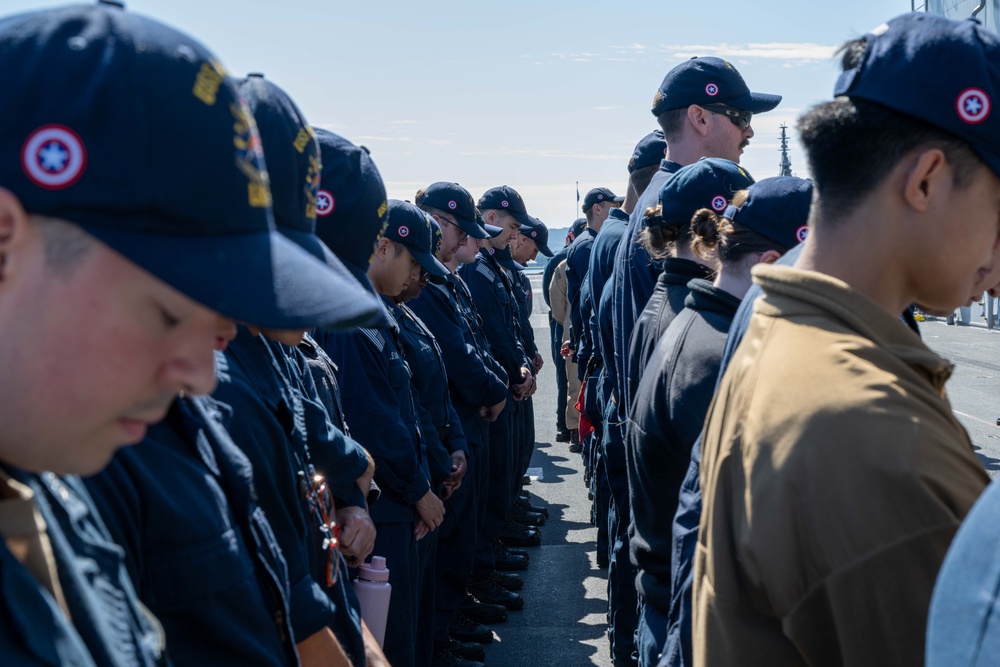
(575, 273)
(262, 437)
(497, 322)
(468, 374)
(456, 436)
(373, 410)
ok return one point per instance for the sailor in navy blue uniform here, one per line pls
(704, 91)
(492, 293)
(478, 391)
(597, 204)
(275, 430)
(448, 458)
(150, 276)
(674, 395)
(381, 410)
(557, 335)
(622, 598)
(533, 239)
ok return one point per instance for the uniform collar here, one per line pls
(790, 292)
(705, 297)
(679, 271)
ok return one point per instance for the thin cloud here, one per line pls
(371, 137)
(541, 153)
(791, 51)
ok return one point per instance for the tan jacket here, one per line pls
(558, 301)
(835, 476)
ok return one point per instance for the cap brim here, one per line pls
(315, 247)
(259, 278)
(472, 228)
(756, 102)
(510, 264)
(619, 200)
(493, 231)
(523, 218)
(431, 265)
(542, 248)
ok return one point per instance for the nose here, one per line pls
(192, 371)
(225, 329)
(414, 275)
(748, 133)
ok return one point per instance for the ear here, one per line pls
(698, 118)
(770, 257)
(15, 229)
(928, 176)
(382, 249)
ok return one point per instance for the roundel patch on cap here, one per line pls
(599, 196)
(53, 157)
(711, 90)
(505, 203)
(325, 203)
(403, 231)
(801, 233)
(534, 234)
(719, 203)
(453, 204)
(973, 105)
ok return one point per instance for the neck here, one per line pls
(877, 267)
(684, 152)
(734, 279)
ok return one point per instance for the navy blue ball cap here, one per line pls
(538, 233)
(504, 257)
(454, 199)
(135, 132)
(576, 228)
(708, 80)
(505, 198)
(293, 160)
(650, 151)
(351, 206)
(943, 71)
(708, 183)
(600, 195)
(415, 230)
(776, 208)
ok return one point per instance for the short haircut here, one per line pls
(65, 244)
(639, 179)
(852, 145)
(671, 122)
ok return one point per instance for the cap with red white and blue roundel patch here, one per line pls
(708, 183)
(414, 229)
(955, 66)
(538, 233)
(777, 209)
(454, 199)
(326, 203)
(505, 198)
(71, 149)
(351, 207)
(709, 80)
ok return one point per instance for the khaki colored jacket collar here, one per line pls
(791, 292)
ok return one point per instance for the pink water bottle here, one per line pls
(373, 590)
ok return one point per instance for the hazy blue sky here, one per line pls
(537, 95)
